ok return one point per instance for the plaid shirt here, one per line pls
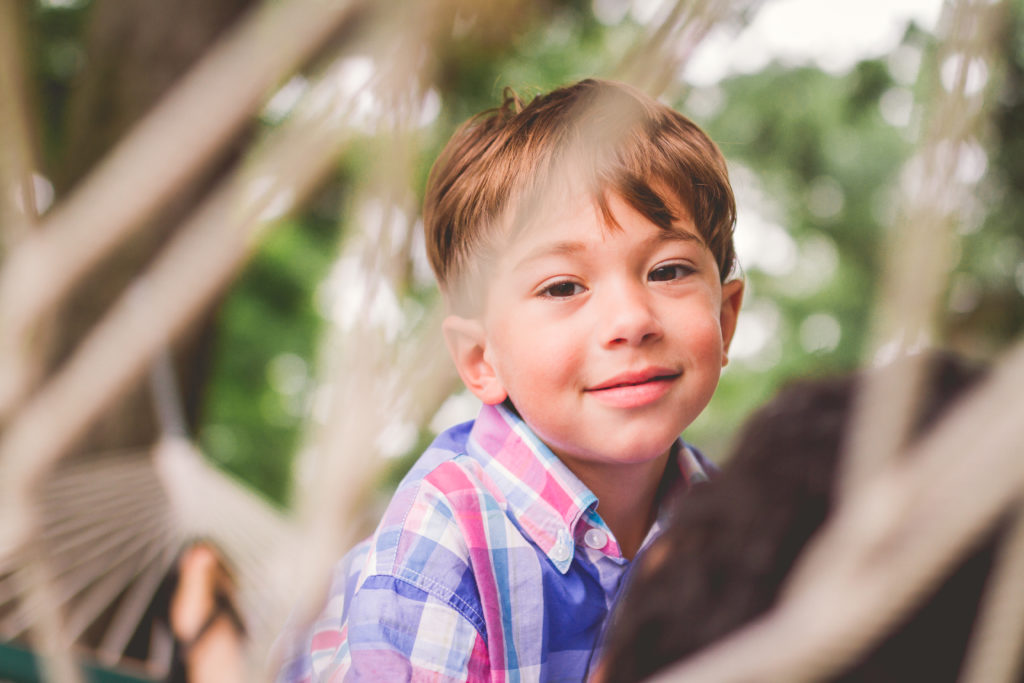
(490, 564)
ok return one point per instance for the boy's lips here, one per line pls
(634, 389)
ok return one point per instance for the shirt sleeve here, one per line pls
(397, 631)
(389, 630)
(308, 653)
(406, 608)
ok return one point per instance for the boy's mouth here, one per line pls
(632, 379)
(635, 389)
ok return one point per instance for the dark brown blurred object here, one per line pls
(731, 545)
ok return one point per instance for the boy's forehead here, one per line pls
(584, 212)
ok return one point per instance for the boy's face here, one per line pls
(608, 341)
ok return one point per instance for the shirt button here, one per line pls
(595, 538)
(560, 553)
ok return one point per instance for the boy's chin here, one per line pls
(638, 456)
(640, 445)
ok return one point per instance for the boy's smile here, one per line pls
(609, 341)
(635, 389)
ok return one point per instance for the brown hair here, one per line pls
(505, 166)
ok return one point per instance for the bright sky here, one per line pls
(834, 34)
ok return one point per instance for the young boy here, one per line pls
(583, 245)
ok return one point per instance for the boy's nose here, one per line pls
(629, 319)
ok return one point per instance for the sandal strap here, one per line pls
(222, 606)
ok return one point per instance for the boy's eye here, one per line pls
(671, 271)
(560, 290)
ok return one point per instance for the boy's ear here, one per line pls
(732, 299)
(467, 343)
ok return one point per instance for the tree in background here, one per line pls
(100, 66)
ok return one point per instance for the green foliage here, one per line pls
(822, 156)
(263, 371)
(829, 163)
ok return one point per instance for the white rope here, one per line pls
(921, 248)
(998, 641)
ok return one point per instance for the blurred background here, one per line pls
(818, 107)
(815, 107)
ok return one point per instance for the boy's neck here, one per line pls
(627, 497)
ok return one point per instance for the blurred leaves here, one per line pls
(260, 384)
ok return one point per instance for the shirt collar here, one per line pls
(545, 498)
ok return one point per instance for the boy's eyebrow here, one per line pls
(568, 247)
(554, 249)
(680, 236)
